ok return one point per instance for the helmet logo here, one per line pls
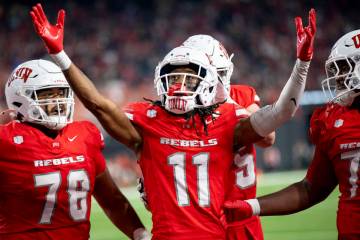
(22, 73)
(356, 40)
(223, 50)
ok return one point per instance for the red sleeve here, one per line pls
(254, 98)
(321, 173)
(137, 111)
(317, 125)
(244, 95)
(97, 140)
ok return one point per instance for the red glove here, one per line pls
(305, 37)
(51, 35)
(237, 210)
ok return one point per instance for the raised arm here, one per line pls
(110, 116)
(270, 117)
(269, 139)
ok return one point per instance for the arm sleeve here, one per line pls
(270, 117)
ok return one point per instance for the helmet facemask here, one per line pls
(184, 88)
(37, 91)
(186, 80)
(49, 106)
(225, 71)
(343, 79)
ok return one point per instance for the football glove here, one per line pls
(52, 35)
(305, 37)
(239, 210)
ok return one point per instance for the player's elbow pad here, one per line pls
(270, 117)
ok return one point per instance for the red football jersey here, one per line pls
(244, 95)
(243, 173)
(335, 130)
(46, 184)
(185, 171)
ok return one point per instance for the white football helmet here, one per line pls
(24, 85)
(217, 53)
(185, 80)
(343, 70)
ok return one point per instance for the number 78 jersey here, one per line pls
(185, 171)
(46, 184)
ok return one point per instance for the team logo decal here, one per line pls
(21, 73)
(223, 50)
(356, 40)
(339, 123)
(151, 113)
(18, 139)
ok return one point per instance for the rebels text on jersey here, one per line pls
(335, 130)
(46, 184)
(185, 171)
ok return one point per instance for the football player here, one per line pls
(50, 166)
(243, 170)
(335, 131)
(185, 140)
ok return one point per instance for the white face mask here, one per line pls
(52, 112)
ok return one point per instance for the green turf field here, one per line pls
(317, 223)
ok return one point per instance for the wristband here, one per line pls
(62, 60)
(141, 234)
(255, 206)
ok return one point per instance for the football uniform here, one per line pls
(243, 175)
(244, 95)
(185, 170)
(335, 130)
(46, 184)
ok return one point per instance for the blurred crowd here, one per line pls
(119, 43)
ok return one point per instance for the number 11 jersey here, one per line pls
(186, 170)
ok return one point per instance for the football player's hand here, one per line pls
(237, 210)
(52, 35)
(7, 116)
(305, 37)
(141, 190)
